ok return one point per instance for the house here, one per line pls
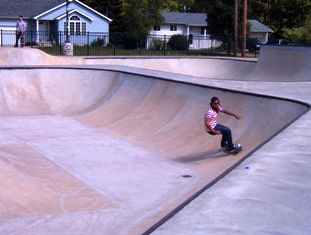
(46, 18)
(259, 31)
(192, 25)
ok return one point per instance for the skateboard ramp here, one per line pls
(30, 56)
(283, 64)
(294, 61)
(92, 150)
(275, 64)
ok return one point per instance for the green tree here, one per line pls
(281, 15)
(111, 9)
(178, 5)
(301, 34)
(220, 18)
(141, 15)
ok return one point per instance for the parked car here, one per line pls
(253, 44)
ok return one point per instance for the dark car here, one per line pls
(253, 44)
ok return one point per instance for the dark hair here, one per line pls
(21, 16)
(214, 99)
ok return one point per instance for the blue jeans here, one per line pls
(18, 36)
(226, 135)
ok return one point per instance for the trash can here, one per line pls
(67, 49)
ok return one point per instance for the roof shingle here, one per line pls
(191, 19)
(26, 8)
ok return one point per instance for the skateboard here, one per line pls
(22, 41)
(235, 151)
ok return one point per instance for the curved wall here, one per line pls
(157, 114)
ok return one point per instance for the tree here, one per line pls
(178, 5)
(111, 9)
(220, 18)
(281, 15)
(141, 15)
(301, 35)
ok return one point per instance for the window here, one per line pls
(71, 28)
(157, 28)
(65, 27)
(83, 28)
(76, 27)
(173, 27)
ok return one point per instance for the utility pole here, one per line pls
(67, 48)
(236, 2)
(244, 27)
(67, 21)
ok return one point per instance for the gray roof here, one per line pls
(191, 19)
(26, 8)
(256, 26)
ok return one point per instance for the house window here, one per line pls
(157, 28)
(83, 28)
(76, 27)
(71, 28)
(173, 27)
(65, 27)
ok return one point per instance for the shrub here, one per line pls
(158, 44)
(178, 42)
(98, 42)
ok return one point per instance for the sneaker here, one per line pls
(235, 147)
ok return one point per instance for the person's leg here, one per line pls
(226, 135)
(18, 34)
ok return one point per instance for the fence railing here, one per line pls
(120, 44)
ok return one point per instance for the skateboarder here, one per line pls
(213, 128)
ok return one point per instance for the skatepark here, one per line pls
(117, 145)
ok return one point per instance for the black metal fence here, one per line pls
(119, 44)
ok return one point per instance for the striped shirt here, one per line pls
(211, 114)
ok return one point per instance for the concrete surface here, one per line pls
(117, 145)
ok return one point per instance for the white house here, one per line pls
(192, 25)
(45, 19)
(259, 31)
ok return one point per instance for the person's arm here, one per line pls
(212, 130)
(237, 116)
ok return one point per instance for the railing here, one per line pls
(118, 44)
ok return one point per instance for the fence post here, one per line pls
(1, 38)
(60, 41)
(31, 39)
(164, 51)
(188, 50)
(88, 43)
(114, 44)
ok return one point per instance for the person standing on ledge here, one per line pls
(213, 128)
(20, 29)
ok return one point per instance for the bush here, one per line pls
(158, 44)
(98, 42)
(178, 42)
(110, 45)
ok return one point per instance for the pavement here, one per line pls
(112, 145)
